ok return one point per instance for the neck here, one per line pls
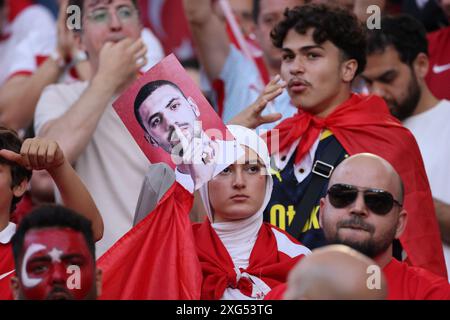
(384, 258)
(4, 220)
(325, 108)
(426, 102)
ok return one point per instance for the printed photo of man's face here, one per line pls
(164, 106)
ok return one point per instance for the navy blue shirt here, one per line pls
(287, 195)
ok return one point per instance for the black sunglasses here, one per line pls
(378, 201)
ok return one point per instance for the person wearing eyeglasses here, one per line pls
(363, 209)
(80, 116)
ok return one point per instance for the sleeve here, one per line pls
(35, 31)
(242, 84)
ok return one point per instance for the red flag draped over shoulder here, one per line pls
(157, 259)
(364, 124)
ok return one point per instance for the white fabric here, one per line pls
(432, 133)
(155, 52)
(242, 88)
(7, 233)
(112, 166)
(32, 34)
(288, 247)
(240, 236)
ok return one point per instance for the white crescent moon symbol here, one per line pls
(28, 282)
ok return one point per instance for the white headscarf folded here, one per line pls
(240, 236)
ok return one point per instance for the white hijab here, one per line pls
(240, 236)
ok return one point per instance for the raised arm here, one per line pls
(210, 37)
(118, 67)
(43, 154)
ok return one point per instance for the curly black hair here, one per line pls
(9, 140)
(405, 33)
(329, 22)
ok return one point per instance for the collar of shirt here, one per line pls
(304, 167)
(7, 233)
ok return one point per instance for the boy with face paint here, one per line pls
(54, 253)
(17, 159)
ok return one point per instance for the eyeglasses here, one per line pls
(103, 15)
(378, 201)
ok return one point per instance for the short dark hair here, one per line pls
(9, 140)
(405, 33)
(256, 9)
(332, 23)
(2, 3)
(52, 216)
(146, 91)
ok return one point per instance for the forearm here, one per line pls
(210, 37)
(443, 217)
(74, 129)
(20, 94)
(76, 197)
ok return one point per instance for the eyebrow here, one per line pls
(384, 75)
(253, 162)
(40, 259)
(305, 48)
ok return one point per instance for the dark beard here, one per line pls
(406, 108)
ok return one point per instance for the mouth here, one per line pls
(59, 295)
(298, 85)
(239, 197)
(355, 228)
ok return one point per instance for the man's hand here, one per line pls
(252, 117)
(37, 154)
(198, 155)
(119, 63)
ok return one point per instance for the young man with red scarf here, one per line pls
(323, 50)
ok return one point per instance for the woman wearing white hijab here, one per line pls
(241, 256)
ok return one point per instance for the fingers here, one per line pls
(40, 154)
(183, 140)
(11, 156)
(270, 118)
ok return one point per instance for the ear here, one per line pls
(322, 205)
(194, 106)
(421, 65)
(20, 189)
(348, 70)
(98, 281)
(150, 140)
(14, 285)
(401, 224)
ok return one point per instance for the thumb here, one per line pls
(11, 156)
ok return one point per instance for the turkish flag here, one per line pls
(156, 259)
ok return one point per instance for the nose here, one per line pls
(297, 66)
(359, 206)
(378, 89)
(238, 179)
(115, 24)
(59, 273)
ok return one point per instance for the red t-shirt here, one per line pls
(277, 293)
(6, 266)
(438, 77)
(413, 283)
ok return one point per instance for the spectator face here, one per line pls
(446, 6)
(396, 82)
(56, 264)
(315, 74)
(356, 224)
(238, 191)
(108, 20)
(271, 12)
(162, 110)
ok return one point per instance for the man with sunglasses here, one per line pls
(80, 117)
(363, 208)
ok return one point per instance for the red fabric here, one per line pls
(412, 283)
(24, 207)
(364, 124)
(277, 293)
(266, 262)
(439, 54)
(219, 88)
(16, 7)
(6, 265)
(156, 259)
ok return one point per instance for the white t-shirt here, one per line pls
(432, 133)
(242, 88)
(32, 37)
(112, 166)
